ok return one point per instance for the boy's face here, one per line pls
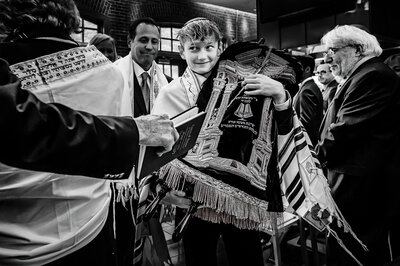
(201, 56)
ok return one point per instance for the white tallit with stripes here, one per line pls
(303, 183)
(304, 187)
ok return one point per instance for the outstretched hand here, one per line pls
(156, 130)
(258, 84)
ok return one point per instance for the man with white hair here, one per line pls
(359, 141)
(358, 144)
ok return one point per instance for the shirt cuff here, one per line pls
(285, 105)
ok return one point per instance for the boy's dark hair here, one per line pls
(199, 29)
(135, 24)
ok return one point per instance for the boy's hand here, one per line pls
(156, 130)
(258, 84)
(177, 198)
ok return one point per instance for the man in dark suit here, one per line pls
(143, 77)
(359, 141)
(326, 78)
(308, 101)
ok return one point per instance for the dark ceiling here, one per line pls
(242, 5)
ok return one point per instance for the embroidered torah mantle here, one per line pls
(228, 165)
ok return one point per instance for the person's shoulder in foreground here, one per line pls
(71, 142)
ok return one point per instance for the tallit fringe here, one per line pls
(126, 189)
(334, 211)
(347, 227)
(340, 242)
(220, 202)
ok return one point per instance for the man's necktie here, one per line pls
(145, 90)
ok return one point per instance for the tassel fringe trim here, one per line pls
(219, 201)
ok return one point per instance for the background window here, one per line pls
(87, 31)
(169, 42)
(170, 70)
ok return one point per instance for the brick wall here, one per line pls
(117, 14)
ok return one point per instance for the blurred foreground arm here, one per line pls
(55, 138)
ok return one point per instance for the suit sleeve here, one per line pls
(307, 102)
(283, 116)
(55, 138)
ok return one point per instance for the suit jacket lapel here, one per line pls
(140, 107)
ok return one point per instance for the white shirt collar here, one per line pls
(139, 71)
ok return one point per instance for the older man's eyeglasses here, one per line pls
(333, 50)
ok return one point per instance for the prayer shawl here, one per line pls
(304, 187)
(45, 216)
(158, 80)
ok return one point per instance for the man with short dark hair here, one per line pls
(143, 77)
(326, 78)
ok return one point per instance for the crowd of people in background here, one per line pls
(71, 133)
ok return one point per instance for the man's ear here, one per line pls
(129, 42)
(181, 49)
(359, 50)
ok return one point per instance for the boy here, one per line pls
(200, 46)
